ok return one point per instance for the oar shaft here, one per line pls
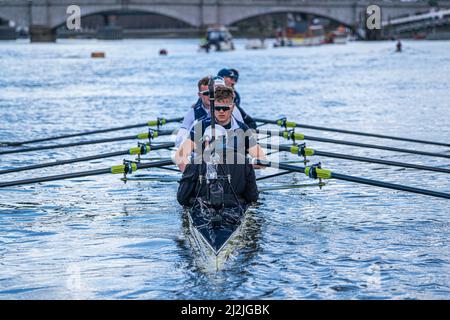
(366, 134)
(62, 162)
(388, 185)
(373, 146)
(359, 144)
(67, 145)
(274, 175)
(139, 125)
(379, 161)
(374, 135)
(362, 159)
(80, 143)
(80, 174)
(55, 177)
(76, 135)
(75, 160)
(212, 104)
(361, 180)
(374, 182)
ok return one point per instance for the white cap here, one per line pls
(218, 81)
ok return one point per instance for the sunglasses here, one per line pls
(222, 108)
(204, 93)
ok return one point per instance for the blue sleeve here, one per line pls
(237, 98)
(188, 120)
(188, 183)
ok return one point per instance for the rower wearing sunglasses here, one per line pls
(238, 133)
(231, 77)
(200, 110)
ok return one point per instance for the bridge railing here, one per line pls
(421, 25)
(440, 14)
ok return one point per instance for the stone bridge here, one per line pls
(51, 14)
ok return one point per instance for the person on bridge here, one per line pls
(231, 77)
(200, 110)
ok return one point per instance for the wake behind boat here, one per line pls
(214, 231)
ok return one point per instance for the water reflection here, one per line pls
(129, 240)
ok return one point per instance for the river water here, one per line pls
(98, 238)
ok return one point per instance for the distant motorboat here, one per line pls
(217, 38)
(302, 34)
(340, 39)
(314, 36)
(338, 36)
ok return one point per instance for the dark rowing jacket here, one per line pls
(199, 112)
(237, 98)
(243, 181)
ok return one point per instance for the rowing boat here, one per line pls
(213, 232)
(218, 240)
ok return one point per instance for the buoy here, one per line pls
(163, 52)
(97, 54)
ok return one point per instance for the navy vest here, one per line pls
(199, 112)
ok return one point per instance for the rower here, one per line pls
(240, 135)
(399, 46)
(200, 110)
(217, 183)
(231, 77)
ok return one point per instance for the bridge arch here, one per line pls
(341, 15)
(4, 18)
(60, 19)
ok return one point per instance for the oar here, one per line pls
(289, 186)
(140, 150)
(274, 175)
(145, 135)
(158, 122)
(300, 136)
(290, 124)
(126, 168)
(317, 172)
(301, 150)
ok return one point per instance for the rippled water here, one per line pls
(99, 238)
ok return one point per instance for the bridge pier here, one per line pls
(39, 33)
(7, 33)
(373, 35)
(43, 16)
(110, 31)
